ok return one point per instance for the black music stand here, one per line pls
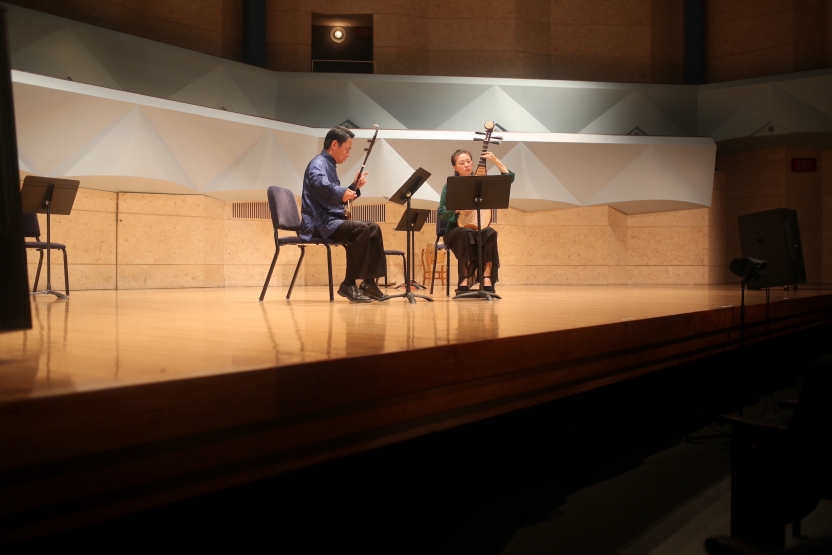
(418, 217)
(47, 195)
(409, 221)
(476, 192)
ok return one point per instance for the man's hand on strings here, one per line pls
(361, 180)
(349, 194)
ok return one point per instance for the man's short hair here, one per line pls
(337, 133)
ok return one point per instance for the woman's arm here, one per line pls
(444, 213)
(496, 162)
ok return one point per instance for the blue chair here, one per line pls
(441, 226)
(285, 216)
(31, 228)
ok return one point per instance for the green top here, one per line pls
(451, 216)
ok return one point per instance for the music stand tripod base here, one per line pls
(478, 293)
(412, 220)
(49, 292)
(413, 284)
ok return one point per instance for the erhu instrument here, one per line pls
(354, 186)
(469, 217)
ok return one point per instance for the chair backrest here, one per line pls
(283, 209)
(441, 225)
(31, 227)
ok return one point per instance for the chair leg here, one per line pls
(329, 272)
(37, 274)
(448, 272)
(433, 273)
(66, 273)
(297, 269)
(269, 276)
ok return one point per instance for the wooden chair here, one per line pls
(429, 266)
(441, 226)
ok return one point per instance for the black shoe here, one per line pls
(370, 289)
(462, 289)
(353, 294)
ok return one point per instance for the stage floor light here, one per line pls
(748, 269)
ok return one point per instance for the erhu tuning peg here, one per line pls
(495, 142)
(479, 139)
(493, 137)
(479, 132)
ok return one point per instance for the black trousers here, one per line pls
(365, 250)
(463, 243)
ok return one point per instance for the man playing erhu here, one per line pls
(323, 216)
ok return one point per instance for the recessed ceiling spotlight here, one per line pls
(338, 34)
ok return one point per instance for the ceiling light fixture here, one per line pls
(338, 34)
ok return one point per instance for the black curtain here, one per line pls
(15, 312)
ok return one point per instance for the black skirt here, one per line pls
(463, 243)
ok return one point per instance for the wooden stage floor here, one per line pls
(174, 393)
(105, 339)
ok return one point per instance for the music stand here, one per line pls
(418, 217)
(476, 192)
(47, 195)
(409, 220)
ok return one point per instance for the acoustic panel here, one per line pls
(138, 143)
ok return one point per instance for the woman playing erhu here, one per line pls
(463, 240)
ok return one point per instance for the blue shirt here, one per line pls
(322, 208)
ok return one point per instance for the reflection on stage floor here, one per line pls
(103, 339)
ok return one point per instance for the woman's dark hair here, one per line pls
(459, 153)
(339, 134)
(456, 155)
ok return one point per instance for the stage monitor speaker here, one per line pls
(774, 236)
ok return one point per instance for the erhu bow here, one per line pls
(354, 186)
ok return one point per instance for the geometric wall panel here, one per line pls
(184, 134)
(146, 144)
(115, 60)
(534, 185)
(130, 147)
(635, 110)
(580, 169)
(62, 53)
(649, 177)
(51, 46)
(52, 133)
(494, 104)
(216, 89)
(793, 103)
(263, 164)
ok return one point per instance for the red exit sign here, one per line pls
(364, 32)
(804, 164)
